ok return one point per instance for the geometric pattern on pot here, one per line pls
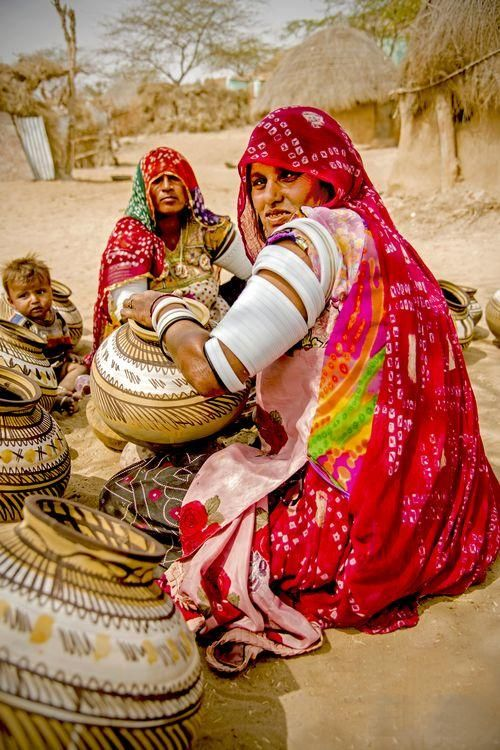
(88, 640)
(143, 396)
(34, 455)
(23, 350)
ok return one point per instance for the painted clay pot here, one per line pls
(142, 396)
(93, 653)
(65, 307)
(61, 302)
(34, 455)
(475, 309)
(23, 350)
(493, 314)
(101, 430)
(458, 305)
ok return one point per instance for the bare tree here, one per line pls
(172, 38)
(68, 23)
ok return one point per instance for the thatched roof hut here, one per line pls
(450, 98)
(341, 70)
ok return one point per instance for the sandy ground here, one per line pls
(433, 686)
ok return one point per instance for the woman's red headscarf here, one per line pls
(134, 249)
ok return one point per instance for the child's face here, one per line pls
(33, 299)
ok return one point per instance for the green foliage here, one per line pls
(386, 20)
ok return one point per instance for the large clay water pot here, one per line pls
(143, 397)
(34, 455)
(93, 653)
(61, 302)
(458, 306)
(23, 350)
(493, 314)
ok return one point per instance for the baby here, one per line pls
(27, 285)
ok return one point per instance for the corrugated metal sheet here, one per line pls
(36, 146)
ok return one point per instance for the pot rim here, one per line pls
(12, 375)
(60, 289)
(23, 333)
(32, 505)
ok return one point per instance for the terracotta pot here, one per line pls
(94, 655)
(142, 396)
(493, 314)
(34, 455)
(458, 305)
(61, 302)
(23, 350)
(65, 307)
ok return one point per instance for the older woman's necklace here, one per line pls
(176, 266)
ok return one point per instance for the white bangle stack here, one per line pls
(161, 324)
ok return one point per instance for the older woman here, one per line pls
(167, 240)
(371, 489)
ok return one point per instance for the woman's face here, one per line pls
(278, 194)
(168, 194)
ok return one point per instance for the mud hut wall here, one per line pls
(478, 141)
(416, 167)
(359, 122)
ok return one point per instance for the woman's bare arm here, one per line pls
(185, 340)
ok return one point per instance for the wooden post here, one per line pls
(68, 23)
(405, 115)
(450, 167)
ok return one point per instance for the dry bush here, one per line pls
(159, 107)
(448, 35)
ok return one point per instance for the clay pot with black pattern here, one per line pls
(34, 455)
(23, 350)
(458, 306)
(93, 653)
(143, 397)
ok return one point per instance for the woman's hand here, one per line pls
(138, 307)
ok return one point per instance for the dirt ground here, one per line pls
(431, 687)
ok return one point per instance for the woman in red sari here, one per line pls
(167, 240)
(371, 489)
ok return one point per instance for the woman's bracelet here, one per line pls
(291, 236)
(161, 303)
(171, 316)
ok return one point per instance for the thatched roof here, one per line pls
(334, 69)
(447, 37)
